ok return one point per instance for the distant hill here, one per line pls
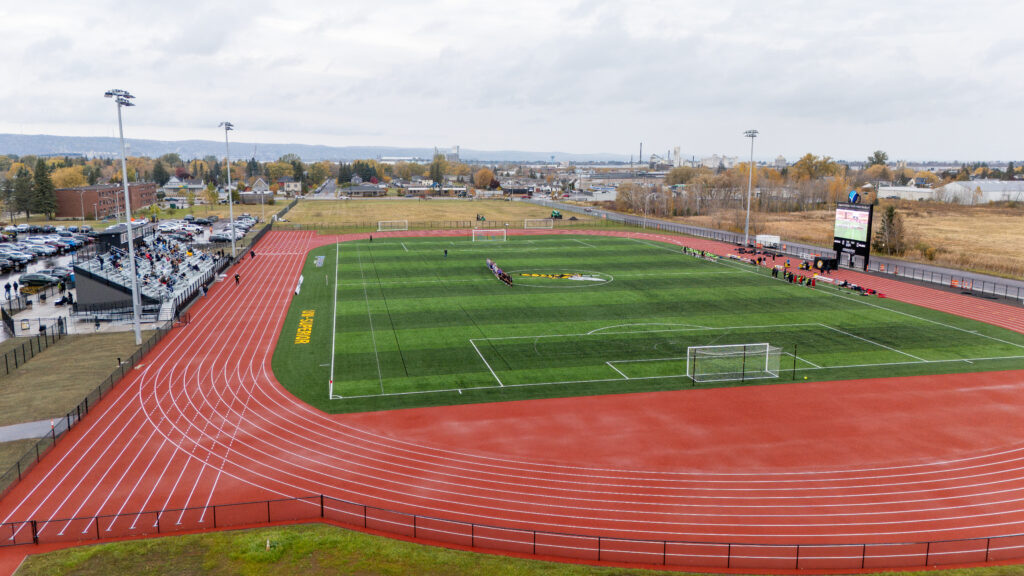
(42, 144)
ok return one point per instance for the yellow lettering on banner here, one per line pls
(305, 329)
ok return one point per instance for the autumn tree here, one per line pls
(680, 175)
(483, 177)
(44, 197)
(811, 167)
(211, 195)
(69, 177)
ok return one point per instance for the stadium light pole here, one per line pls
(122, 98)
(228, 126)
(750, 185)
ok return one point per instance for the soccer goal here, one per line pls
(490, 234)
(732, 362)
(538, 223)
(392, 225)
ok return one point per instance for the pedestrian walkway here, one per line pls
(25, 430)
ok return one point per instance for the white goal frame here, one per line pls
(392, 225)
(539, 223)
(731, 362)
(490, 234)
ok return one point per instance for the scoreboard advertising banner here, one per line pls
(853, 231)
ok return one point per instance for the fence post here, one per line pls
(97, 520)
(321, 505)
(988, 546)
(863, 555)
(214, 516)
(797, 565)
(927, 553)
(268, 511)
(35, 532)
(19, 470)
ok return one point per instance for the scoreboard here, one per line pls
(853, 232)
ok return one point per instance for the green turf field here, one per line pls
(399, 325)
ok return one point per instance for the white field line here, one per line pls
(485, 363)
(403, 246)
(836, 293)
(594, 332)
(612, 366)
(790, 354)
(873, 342)
(600, 380)
(373, 335)
(661, 246)
(334, 318)
(584, 243)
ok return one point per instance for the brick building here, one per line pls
(102, 200)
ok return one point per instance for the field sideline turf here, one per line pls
(416, 328)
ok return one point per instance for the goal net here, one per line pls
(392, 225)
(539, 223)
(489, 234)
(732, 362)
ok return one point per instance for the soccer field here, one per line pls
(395, 323)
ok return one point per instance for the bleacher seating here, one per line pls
(166, 268)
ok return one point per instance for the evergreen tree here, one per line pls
(890, 236)
(160, 174)
(437, 169)
(1010, 171)
(7, 196)
(23, 192)
(44, 196)
(344, 173)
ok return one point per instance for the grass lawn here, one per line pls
(419, 213)
(316, 549)
(409, 327)
(45, 387)
(983, 238)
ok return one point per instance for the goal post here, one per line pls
(480, 234)
(392, 225)
(538, 223)
(730, 362)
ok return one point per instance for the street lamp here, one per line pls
(228, 126)
(646, 208)
(122, 98)
(750, 185)
(81, 200)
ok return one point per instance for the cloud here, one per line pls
(580, 76)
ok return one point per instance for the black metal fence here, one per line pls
(489, 537)
(368, 226)
(29, 347)
(976, 284)
(61, 425)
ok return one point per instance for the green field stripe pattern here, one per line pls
(587, 315)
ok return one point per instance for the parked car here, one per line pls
(36, 279)
(58, 272)
(20, 228)
(218, 238)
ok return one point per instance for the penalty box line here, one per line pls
(624, 378)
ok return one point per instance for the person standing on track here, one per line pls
(252, 254)
(446, 253)
(236, 278)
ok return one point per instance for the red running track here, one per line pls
(202, 421)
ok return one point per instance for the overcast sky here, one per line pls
(922, 79)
